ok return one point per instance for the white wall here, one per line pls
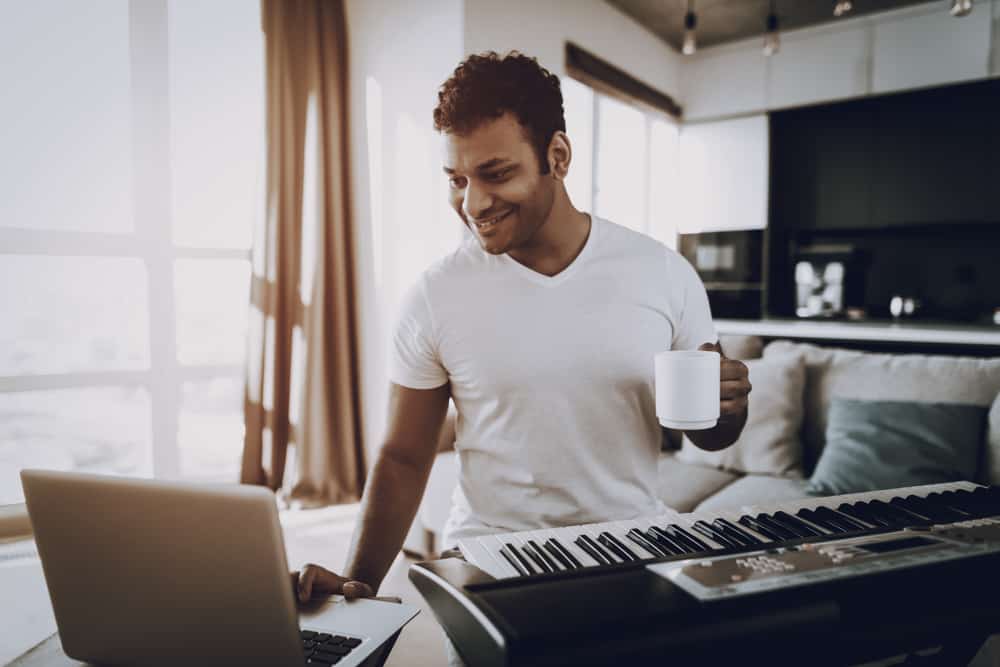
(541, 28)
(903, 49)
(402, 219)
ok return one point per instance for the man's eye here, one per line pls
(500, 175)
(457, 182)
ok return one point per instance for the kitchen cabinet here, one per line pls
(723, 175)
(931, 49)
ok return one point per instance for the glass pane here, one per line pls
(663, 195)
(98, 429)
(213, 297)
(71, 314)
(65, 123)
(216, 58)
(578, 103)
(621, 164)
(210, 429)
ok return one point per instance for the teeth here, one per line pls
(492, 221)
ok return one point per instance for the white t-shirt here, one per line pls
(552, 377)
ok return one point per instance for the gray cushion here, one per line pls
(873, 445)
(770, 442)
(682, 485)
(736, 346)
(992, 466)
(833, 373)
(755, 490)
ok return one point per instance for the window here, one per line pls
(624, 161)
(133, 137)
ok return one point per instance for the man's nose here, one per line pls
(477, 202)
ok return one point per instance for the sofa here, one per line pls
(781, 450)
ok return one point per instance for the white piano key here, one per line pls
(490, 544)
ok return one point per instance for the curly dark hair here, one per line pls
(485, 86)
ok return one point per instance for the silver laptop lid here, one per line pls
(151, 572)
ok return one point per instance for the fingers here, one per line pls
(710, 347)
(357, 589)
(733, 407)
(730, 389)
(734, 370)
(316, 580)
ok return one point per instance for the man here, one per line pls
(542, 330)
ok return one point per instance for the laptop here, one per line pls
(147, 572)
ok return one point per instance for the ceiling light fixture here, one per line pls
(961, 7)
(771, 40)
(842, 7)
(690, 21)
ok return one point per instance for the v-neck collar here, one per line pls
(551, 281)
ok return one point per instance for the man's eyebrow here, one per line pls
(485, 166)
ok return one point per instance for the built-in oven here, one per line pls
(730, 264)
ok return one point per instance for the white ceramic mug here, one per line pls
(688, 389)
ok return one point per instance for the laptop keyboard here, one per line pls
(322, 648)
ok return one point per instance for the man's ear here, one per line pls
(559, 155)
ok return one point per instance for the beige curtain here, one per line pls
(313, 404)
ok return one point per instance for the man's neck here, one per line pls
(558, 242)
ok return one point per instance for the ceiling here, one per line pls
(722, 21)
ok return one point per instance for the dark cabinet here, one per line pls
(917, 158)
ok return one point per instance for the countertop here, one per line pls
(883, 331)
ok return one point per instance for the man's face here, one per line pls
(496, 185)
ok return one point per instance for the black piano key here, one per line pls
(849, 523)
(520, 557)
(557, 555)
(716, 535)
(569, 557)
(946, 514)
(904, 516)
(613, 548)
(513, 561)
(952, 500)
(778, 527)
(620, 545)
(739, 531)
(541, 552)
(535, 558)
(651, 547)
(664, 541)
(753, 524)
(597, 554)
(917, 516)
(795, 524)
(699, 545)
(862, 511)
(607, 553)
(734, 533)
(937, 512)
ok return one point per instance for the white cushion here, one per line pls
(832, 372)
(993, 443)
(755, 490)
(770, 443)
(683, 485)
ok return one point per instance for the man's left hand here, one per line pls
(735, 385)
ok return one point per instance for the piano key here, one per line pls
(733, 518)
(559, 555)
(748, 521)
(611, 547)
(697, 543)
(620, 549)
(646, 544)
(520, 557)
(850, 524)
(748, 538)
(553, 566)
(536, 558)
(564, 538)
(484, 552)
(864, 512)
(778, 527)
(712, 533)
(515, 563)
(592, 550)
(671, 545)
(802, 528)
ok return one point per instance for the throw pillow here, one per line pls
(872, 445)
(993, 444)
(769, 444)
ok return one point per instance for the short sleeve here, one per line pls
(414, 361)
(693, 325)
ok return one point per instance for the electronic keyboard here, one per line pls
(841, 580)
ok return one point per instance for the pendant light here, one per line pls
(771, 40)
(690, 21)
(842, 7)
(961, 7)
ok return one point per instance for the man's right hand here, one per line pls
(314, 581)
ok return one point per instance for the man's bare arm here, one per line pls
(391, 497)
